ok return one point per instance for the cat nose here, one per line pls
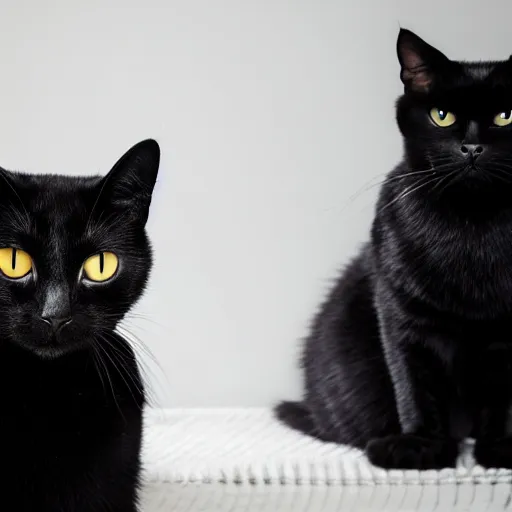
(56, 322)
(472, 150)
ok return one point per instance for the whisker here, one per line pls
(135, 344)
(110, 380)
(117, 367)
(399, 177)
(504, 175)
(410, 190)
(448, 181)
(149, 374)
(97, 367)
(369, 185)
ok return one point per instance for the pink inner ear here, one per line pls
(417, 80)
(414, 72)
(411, 59)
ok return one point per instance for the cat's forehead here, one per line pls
(56, 206)
(480, 71)
(475, 87)
(54, 195)
(55, 218)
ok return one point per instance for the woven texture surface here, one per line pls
(243, 460)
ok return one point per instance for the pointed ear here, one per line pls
(419, 62)
(129, 185)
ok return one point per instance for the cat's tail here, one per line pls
(297, 416)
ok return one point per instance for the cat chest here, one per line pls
(456, 268)
(479, 278)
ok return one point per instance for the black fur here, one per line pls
(71, 400)
(412, 351)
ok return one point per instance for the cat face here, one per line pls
(456, 117)
(74, 256)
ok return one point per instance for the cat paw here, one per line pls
(495, 454)
(409, 451)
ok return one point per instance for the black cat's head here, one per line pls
(74, 256)
(456, 117)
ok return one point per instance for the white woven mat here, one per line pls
(243, 460)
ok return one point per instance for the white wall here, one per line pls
(271, 114)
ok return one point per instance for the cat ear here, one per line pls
(419, 61)
(129, 185)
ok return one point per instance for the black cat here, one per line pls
(74, 257)
(412, 351)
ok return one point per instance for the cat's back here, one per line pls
(347, 309)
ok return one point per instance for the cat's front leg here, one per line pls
(493, 448)
(418, 370)
(494, 453)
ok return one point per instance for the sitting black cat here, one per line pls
(74, 258)
(412, 351)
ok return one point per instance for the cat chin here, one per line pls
(49, 353)
(54, 351)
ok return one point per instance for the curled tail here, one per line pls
(297, 416)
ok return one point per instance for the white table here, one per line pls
(234, 460)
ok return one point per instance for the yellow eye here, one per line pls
(101, 266)
(442, 118)
(503, 119)
(14, 263)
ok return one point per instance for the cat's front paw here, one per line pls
(494, 454)
(409, 451)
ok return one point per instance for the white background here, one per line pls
(271, 115)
